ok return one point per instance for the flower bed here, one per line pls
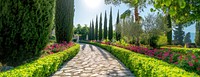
(187, 59)
(145, 66)
(43, 67)
(54, 48)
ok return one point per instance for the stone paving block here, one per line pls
(97, 63)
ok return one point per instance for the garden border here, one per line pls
(43, 67)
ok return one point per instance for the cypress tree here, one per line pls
(64, 20)
(187, 38)
(179, 35)
(105, 26)
(96, 29)
(100, 27)
(92, 30)
(118, 34)
(110, 26)
(197, 36)
(25, 27)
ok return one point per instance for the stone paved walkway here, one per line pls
(93, 61)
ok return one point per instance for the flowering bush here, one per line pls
(188, 61)
(58, 47)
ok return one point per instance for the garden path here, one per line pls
(93, 61)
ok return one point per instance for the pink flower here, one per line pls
(176, 63)
(193, 56)
(166, 54)
(190, 63)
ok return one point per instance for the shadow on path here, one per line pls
(92, 49)
(103, 53)
(83, 47)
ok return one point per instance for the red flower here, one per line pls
(196, 60)
(198, 68)
(190, 63)
(180, 57)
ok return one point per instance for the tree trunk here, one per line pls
(169, 34)
(137, 20)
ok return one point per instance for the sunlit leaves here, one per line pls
(182, 3)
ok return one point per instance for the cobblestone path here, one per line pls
(92, 61)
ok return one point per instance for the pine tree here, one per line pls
(118, 33)
(105, 26)
(64, 20)
(110, 26)
(100, 27)
(187, 38)
(96, 29)
(197, 36)
(178, 35)
(93, 30)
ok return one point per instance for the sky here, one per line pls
(86, 10)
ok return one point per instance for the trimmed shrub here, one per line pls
(25, 26)
(43, 67)
(144, 66)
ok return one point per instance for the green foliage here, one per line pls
(153, 41)
(110, 35)
(90, 32)
(100, 27)
(187, 38)
(162, 40)
(96, 29)
(82, 31)
(197, 37)
(64, 20)
(43, 67)
(105, 26)
(186, 50)
(178, 35)
(93, 36)
(118, 33)
(144, 66)
(25, 27)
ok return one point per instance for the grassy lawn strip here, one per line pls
(145, 66)
(43, 67)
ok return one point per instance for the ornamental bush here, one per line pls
(43, 67)
(145, 66)
(24, 29)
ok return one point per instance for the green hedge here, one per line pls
(144, 66)
(43, 67)
(186, 50)
(25, 27)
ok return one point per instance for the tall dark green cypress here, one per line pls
(169, 33)
(64, 20)
(118, 34)
(197, 36)
(100, 27)
(96, 29)
(105, 26)
(110, 26)
(90, 32)
(25, 27)
(93, 30)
